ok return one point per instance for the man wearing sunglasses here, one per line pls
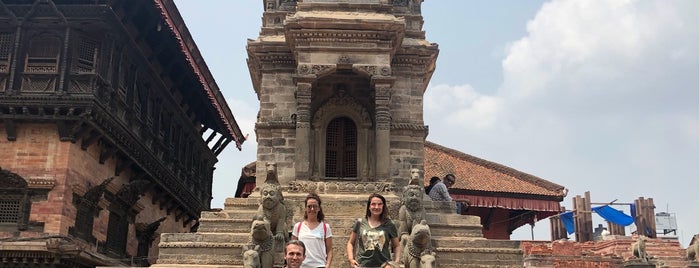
(440, 191)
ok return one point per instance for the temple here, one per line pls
(111, 124)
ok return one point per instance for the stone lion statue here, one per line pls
(263, 241)
(415, 178)
(428, 260)
(251, 256)
(273, 209)
(417, 246)
(638, 249)
(411, 210)
(693, 249)
(271, 173)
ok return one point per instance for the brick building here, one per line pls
(112, 124)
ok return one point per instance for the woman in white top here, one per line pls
(315, 234)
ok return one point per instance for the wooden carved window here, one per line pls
(15, 203)
(145, 235)
(341, 148)
(117, 232)
(6, 41)
(141, 102)
(125, 88)
(87, 209)
(42, 56)
(85, 56)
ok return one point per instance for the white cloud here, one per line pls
(461, 106)
(599, 96)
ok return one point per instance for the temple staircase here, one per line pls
(219, 241)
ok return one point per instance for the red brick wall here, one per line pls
(39, 154)
(607, 253)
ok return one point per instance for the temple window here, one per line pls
(42, 56)
(117, 232)
(5, 51)
(341, 148)
(85, 56)
(14, 202)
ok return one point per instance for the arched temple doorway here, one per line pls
(341, 148)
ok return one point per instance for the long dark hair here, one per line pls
(321, 216)
(433, 181)
(384, 212)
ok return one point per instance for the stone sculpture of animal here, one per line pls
(261, 237)
(417, 246)
(274, 210)
(693, 249)
(415, 177)
(428, 260)
(251, 256)
(411, 210)
(638, 249)
(271, 173)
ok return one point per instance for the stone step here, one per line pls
(211, 257)
(250, 203)
(455, 230)
(199, 259)
(225, 222)
(479, 256)
(458, 242)
(200, 237)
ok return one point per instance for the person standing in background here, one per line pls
(315, 234)
(372, 236)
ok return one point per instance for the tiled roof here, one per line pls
(176, 25)
(476, 175)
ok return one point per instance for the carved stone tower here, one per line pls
(341, 85)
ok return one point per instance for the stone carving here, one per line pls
(638, 249)
(314, 69)
(428, 260)
(418, 246)
(341, 102)
(272, 208)
(271, 173)
(251, 257)
(372, 70)
(415, 178)
(411, 211)
(300, 186)
(262, 238)
(693, 249)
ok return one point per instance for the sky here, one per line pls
(598, 96)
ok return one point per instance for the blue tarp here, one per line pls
(606, 212)
(568, 222)
(612, 215)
